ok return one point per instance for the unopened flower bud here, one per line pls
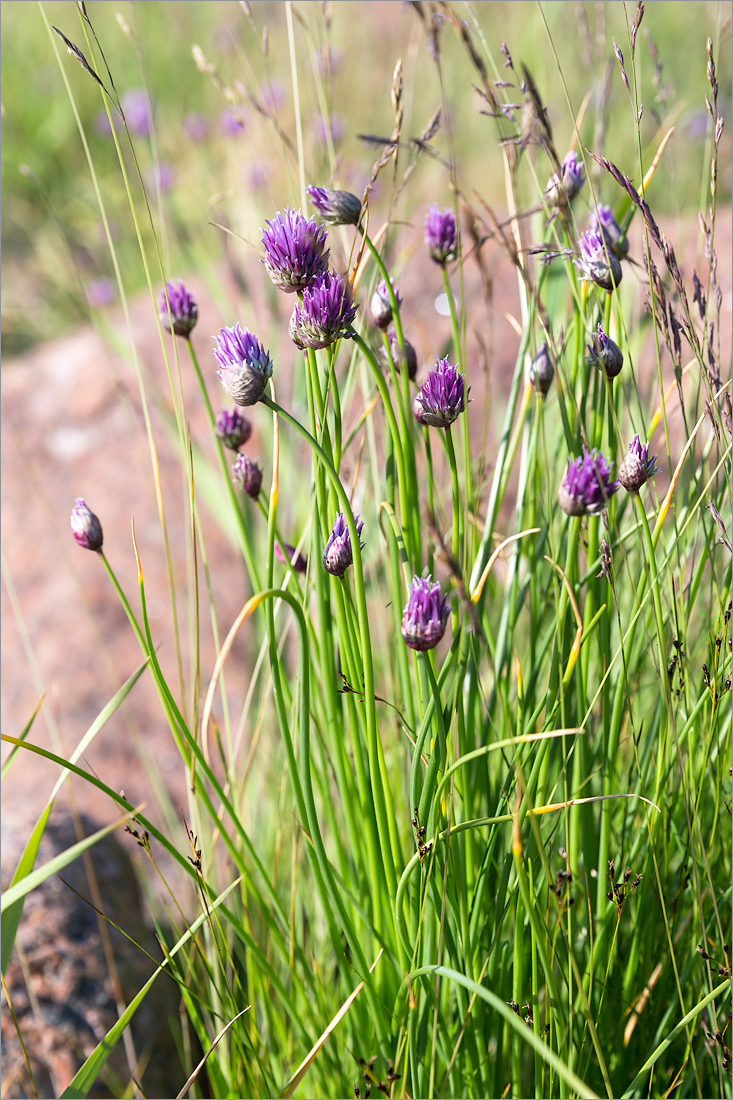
(563, 189)
(637, 467)
(381, 305)
(247, 476)
(441, 234)
(605, 354)
(85, 527)
(541, 371)
(335, 207)
(396, 352)
(337, 553)
(183, 309)
(232, 429)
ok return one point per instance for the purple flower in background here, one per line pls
(244, 365)
(183, 312)
(614, 236)
(441, 398)
(325, 312)
(597, 262)
(272, 94)
(102, 124)
(542, 371)
(256, 175)
(604, 353)
(247, 476)
(231, 124)
(297, 561)
(425, 615)
(196, 126)
(337, 556)
(232, 429)
(397, 357)
(381, 306)
(295, 250)
(564, 189)
(160, 177)
(587, 486)
(85, 527)
(441, 234)
(335, 207)
(101, 292)
(637, 467)
(137, 111)
(335, 128)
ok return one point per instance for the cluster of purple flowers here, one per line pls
(441, 399)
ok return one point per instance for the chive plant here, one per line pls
(496, 685)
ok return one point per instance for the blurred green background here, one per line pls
(222, 145)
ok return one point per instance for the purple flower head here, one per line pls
(244, 365)
(335, 207)
(542, 371)
(325, 312)
(637, 467)
(85, 527)
(137, 112)
(337, 556)
(232, 429)
(597, 262)
(397, 356)
(101, 292)
(272, 94)
(334, 128)
(605, 354)
(441, 398)
(425, 616)
(183, 312)
(381, 304)
(441, 234)
(247, 476)
(102, 123)
(231, 124)
(297, 560)
(196, 126)
(562, 190)
(294, 250)
(587, 486)
(605, 223)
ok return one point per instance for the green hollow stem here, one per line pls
(366, 647)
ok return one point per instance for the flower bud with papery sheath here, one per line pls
(244, 366)
(183, 312)
(85, 527)
(541, 371)
(232, 429)
(381, 305)
(425, 615)
(566, 187)
(605, 354)
(337, 555)
(335, 207)
(637, 467)
(397, 356)
(247, 476)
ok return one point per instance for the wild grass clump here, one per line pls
(495, 660)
